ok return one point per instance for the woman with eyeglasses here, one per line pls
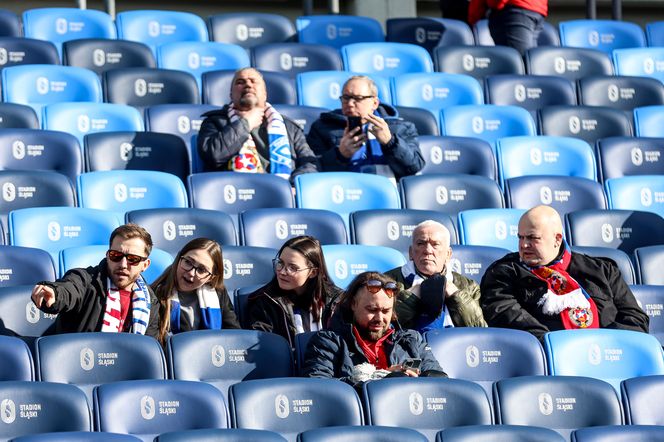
(191, 291)
(299, 297)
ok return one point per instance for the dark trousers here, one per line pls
(515, 27)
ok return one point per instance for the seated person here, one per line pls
(376, 142)
(249, 135)
(109, 297)
(299, 297)
(362, 343)
(546, 287)
(191, 292)
(431, 295)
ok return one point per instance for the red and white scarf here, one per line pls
(140, 308)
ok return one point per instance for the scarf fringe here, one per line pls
(553, 304)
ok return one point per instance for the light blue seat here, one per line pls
(246, 266)
(620, 258)
(499, 433)
(570, 63)
(366, 433)
(618, 433)
(338, 30)
(467, 155)
(425, 122)
(608, 354)
(655, 33)
(217, 84)
(642, 62)
(478, 61)
(249, 29)
(387, 59)
(310, 84)
(21, 50)
(640, 394)
(25, 265)
(20, 317)
(639, 192)
(345, 261)
(605, 35)
(589, 123)
(647, 261)
(620, 91)
(490, 227)
(531, 92)
(293, 58)
(621, 156)
(17, 363)
(651, 300)
(649, 121)
(100, 55)
(472, 261)
(428, 32)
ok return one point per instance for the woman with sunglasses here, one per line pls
(191, 291)
(299, 296)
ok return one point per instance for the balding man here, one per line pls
(431, 295)
(545, 287)
(249, 135)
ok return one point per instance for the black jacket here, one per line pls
(510, 294)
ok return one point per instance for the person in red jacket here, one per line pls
(514, 23)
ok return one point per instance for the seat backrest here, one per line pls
(294, 58)
(428, 32)
(621, 259)
(472, 261)
(425, 122)
(249, 29)
(225, 357)
(100, 55)
(216, 86)
(531, 92)
(246, 266)
(21, 50)
(146, 408)
(303, 116)
(427, 405)
(478, 61)
(17, 362)
(605, 35)
(618, 433)
(345, 261)
(648, 262)
(639, 395)
(292, 405)
(271, 227)
(20, 317)
(338, 30)
(78, 436)
(10, 24)
(387, 59)
(651, 301)
(221, 435)
(620, 91)
(311, 84)
(648, 121)
(300, 349)
(172, 228)
(588, 123)
(570, 63)
(638, 192)
(141, 87)
(367, 433)
(654, 34)
(19, 116)
(498, 433)
(25, 265)
(466, 155)
(490, 227)
(620, 156)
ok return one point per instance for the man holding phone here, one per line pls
(365, 135)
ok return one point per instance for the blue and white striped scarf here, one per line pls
(210, 310)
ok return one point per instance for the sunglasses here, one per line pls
(374, 286)
(117, 256)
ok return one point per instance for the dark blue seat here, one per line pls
(142, 87)
(18, 116)
(621, 259)
(216, 86)
(367, 433)
(621, 156)
(620, 92)
(618, 433)
(498, 433)
(639, 395)
(588, 123)
(19, 50)
(246, 266)
(490, 227)
(293, 58)
(429, 32)
(303, 116)
(651, 300)
(472, 261)
(220, 435)
(532, 92)
(647, 261)
(78, 436)
(249, 29)
(100, 55)
(570, 63)
(25, 265)
(425, 122)
(478, 61)
(17, 363)
(465, 155)
(20, 317)
(10, 25)
(654, 35)
(338, 30)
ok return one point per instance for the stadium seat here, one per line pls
(487, 122)
(246, 266)
(427, 405)
(387, 59)
(449, 193)
(649, 121)
(429, 32)
(605, 35)
(565, 194)
(485, 355)
(142, 87)
(155, 28)
(472, 261)
(648, 263)
(10, 25)
(620, 258)
(561, 403)
(20, 50)
(90, 359)
(338, 30)
(41, 407)
(24, 265)
(216, 87)
(197, 57)
(531, 92)
(146, 408)
(621, 156)
(490, 227)
(478, 61)
(226, 357)
(345, 261)
(294, 58)
(549, 35)
(466, 155)
(272, 227)
(292, 405)
(570, 63)
(33, 149)
(620, 229)
(640, 394)
(654, 34)
(642, 62)
(367, 433)
(620, 91)
(220, 435)
(310, 84)
(618, 433)
(639, 192)
(300, 348)
(18, 116)
(499, 433)
(249, 29)
(78, 436)
(17, 364)
(100, 55)
(545, 155)
(80, 119)
(606, 354)
(393, 228)
(20, 317)
(651, 300)
(241, 305)
(588, 123)
(425, 122)
(136, 151)
(303, 116)
(172, 228)
(58, 25)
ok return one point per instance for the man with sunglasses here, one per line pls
(364, 342)
(365, 135)
(109, 297)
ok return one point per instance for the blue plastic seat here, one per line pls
(367, 433)
(621, 156)
(141, 87)
(249, 29)
(345, 261)
(467, 155)
(387, 59)
(25, 265)
(425, 122)
(640, 394)
(303, 116)
(648, 264)
(570, 63)
(499, 433)
(651, 300)
(294, 58)
(531, 92)
(220, 435)
(338, 30)
(100, 55)
(618, 433)
(605, 35)
(472, 261)
(490, 227)
(21, 50)
(216, 86)
(620, 258)
(588, 123)
(18, 116)
(478, 61)
(620, 91)
(428, 32)
(639, 192)
(246, 266)
(78, 436)
(310, 84)
(17, 364)
(654, 34)
(10, 25)
(649, 121)
(20, 317)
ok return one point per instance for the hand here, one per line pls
(351, 142)
(43, 296)
(379, 129)
(413, 373)
(450, 287)
(254, 116)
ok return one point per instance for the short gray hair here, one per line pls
(372, 84)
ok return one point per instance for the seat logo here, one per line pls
(98, 57)
(420, 35)
(546, 195)
(53, 231)
(184, 124)
(42, 85)
(436, 154)
(4, 56)
(140, 87)
(230, 194)
(281, 229)
(574, 124)
(228, 268)
(335, 90)
(120, 192)
(427, 92)
(441, 195)
(607, 232)
(169, 230)
(559, 65)
(500, 230)
(472, 356)
(281, 406)
(613, 92)
(378, 62)
(341, 269)
(649, 66)
(31, 313)
(7, 411)
(595, 354)
(83, 123)
(218, 356)
(477, 124)
(456, 265)
(331, 32)
(8, 192)
(242, 32)
(61, 25)
(536, 156)
(416, 403)
(637, 156)
(468, 62)
(154, 29)
(392, 230)
(646, 197)
(126, 151)
(545, 402)
(286, 61)
(87, 358)
(194, 60)
(520, 93)
(337, 194)
(148, 409)
(593, 38)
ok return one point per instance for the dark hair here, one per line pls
(164, 285)
(129, 231)
(349, 295)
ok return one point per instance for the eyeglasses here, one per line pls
(374, 286)
(132, 260)
(291, 269)
(355, 98)
(187, 265)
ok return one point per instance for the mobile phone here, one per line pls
(354, 122)
(412, 364)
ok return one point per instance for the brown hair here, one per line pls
(349, 295)
(130, 231)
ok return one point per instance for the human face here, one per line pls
(430, 250)
(190, 280)
(358, 108)
(297, 280)
(539, 244)
(122, 274)
(248, 90)
(372, 313)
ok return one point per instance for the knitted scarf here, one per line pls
(208, 302)
(369, 158)
(140, 308)
(425, 323)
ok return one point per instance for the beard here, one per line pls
(371, 335)
(248, 102)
